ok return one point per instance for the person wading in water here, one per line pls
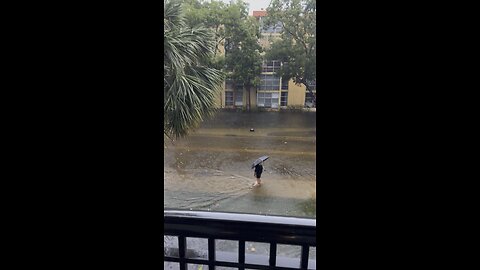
(258, 174)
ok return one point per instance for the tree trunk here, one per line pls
(248, 102)
(234, 87)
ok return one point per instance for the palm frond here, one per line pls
(190, 87)
(191, 99)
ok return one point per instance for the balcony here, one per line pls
(271, 232)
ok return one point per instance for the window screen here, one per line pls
(229, 98)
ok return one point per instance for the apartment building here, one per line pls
(273, 92)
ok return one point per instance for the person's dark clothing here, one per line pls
(258, 170)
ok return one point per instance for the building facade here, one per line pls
(272, 92)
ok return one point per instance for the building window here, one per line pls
(277, 28)
(267, 100)
(239, 86)
(309, 100)
(233, 95)
(308, 96)
(313, 85)
(261, 99)
(283, 98)
(284, 84)
(269, 82)
(271, 66)
(228, 84)
(228, 98)
(239, 97)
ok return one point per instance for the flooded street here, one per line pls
(211, 168)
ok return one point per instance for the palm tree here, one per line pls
(190, 85)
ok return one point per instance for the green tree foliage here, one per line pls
(235, 30)
(209, 14)
(297, 46)
(190, 85)
(243, 53)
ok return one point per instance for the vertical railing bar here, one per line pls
(211, 253)
(273, 254)
(241, 254)
(304, 259)
(181, 251)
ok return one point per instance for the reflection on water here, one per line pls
(211, 168)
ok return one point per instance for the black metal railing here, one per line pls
(240, 228)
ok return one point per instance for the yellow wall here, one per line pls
(221, 48)
(296, 94)
(220, 97)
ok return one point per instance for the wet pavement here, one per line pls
(211, 168)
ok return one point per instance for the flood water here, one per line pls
(211, 168)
